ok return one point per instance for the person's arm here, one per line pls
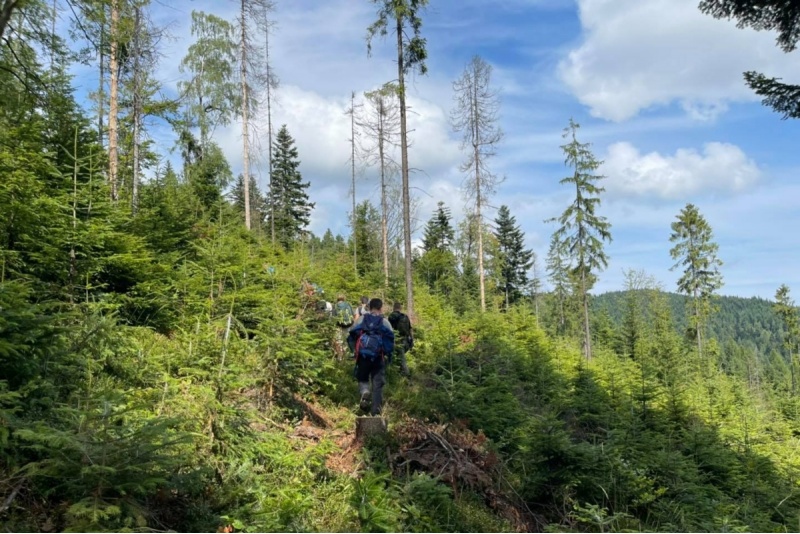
(355, 330)
(388, 339)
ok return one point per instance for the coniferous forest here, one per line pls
(167, 362)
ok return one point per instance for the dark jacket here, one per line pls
(387, 336)
(401, 323)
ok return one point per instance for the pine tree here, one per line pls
(582, 231)
(439, 233)
(205, 169)
(697, 253)
(536, 284)
(515, 259)
(288, 200)
(411, 56)
(259, 205)
(780, 15)
(438, 260)
(367, 237)
(558, 268)
(786, 309)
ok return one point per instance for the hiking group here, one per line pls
(372, 339)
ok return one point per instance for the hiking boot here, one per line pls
(366, 401)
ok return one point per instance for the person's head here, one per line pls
(340, 297)
(364, 300)
(398, 306)
(375, 305)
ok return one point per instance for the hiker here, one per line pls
(345, 317)
(363, 308)
(324, 308)
(404, 338)
(372, 341)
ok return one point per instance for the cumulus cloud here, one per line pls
(717, 168)
(320, 127)
(636, 55)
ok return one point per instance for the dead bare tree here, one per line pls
(354, 133)
(113, 107)
(381, 123)
(272, 83)
(475, 118)
(252, 76)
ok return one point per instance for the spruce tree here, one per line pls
(695, 251)
(780, 15)
(558, 273)
(582, 231)
(437, 265)
(786, 309)
(259, 205)
(515, 259)
(288, 200)
(439, 233)
(367, 237)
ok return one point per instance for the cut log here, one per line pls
(369, 426)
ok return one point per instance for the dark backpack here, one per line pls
(370, 343)
(401, 323)
(344, 314)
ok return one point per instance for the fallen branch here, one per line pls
(12, 496)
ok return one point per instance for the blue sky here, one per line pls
(656, 86)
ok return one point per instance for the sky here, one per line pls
(656, 86)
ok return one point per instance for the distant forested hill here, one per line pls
(749, 322)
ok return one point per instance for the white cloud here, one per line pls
(636, 55)
(321, 130)
(718, 168)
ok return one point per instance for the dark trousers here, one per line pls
(375, 371)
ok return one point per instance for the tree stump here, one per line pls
(369, 426)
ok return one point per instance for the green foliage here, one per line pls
(406, 15)
(164, 370)
(697, 253)
(437, 264)
(581, 232)
(515, 261)
(766, 15)
(210, 60)
(290, 208)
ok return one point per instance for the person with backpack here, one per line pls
(371, 339)
(363, 307)
(404, 335)
(345, 317)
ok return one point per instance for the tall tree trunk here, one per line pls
(587, 337)
(245, 123)
(113, 108)
(697, 326)
(101, 93)
(269, 130)
(384, 204)
(353, 176)
(137, 110)
(477, 164)
(404, 170)
(73, 270)
(53, 38)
